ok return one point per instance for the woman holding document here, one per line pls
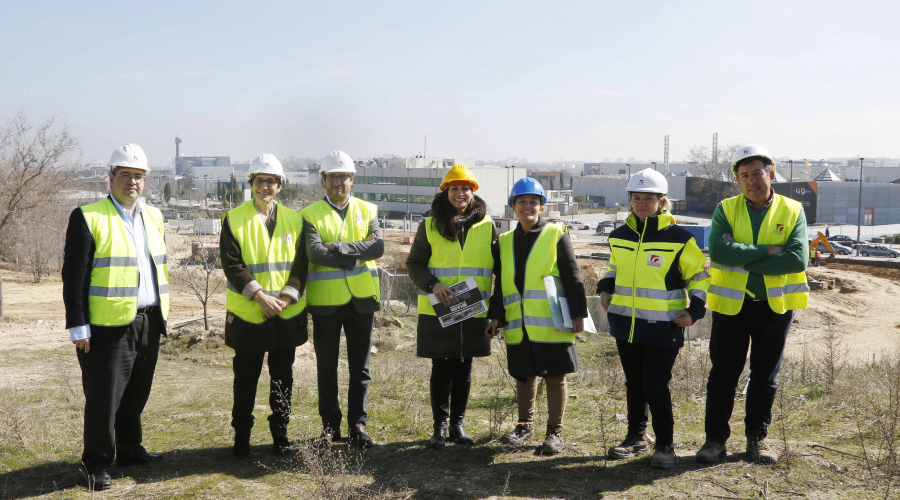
(451, 245)
(654, 267)
(525, 255)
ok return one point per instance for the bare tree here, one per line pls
(706, 166)
(288, 195)
(33, 161)
(201, 273)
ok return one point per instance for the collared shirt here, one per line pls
(148, 295)
(764, 207)
(333, 204)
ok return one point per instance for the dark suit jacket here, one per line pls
(76, 270)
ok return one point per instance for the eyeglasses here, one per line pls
(129, 176)
(260, 182)
(338, 177)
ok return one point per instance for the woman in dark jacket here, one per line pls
(450, 246)
(265, 264)
(655, 266)
(525, 256)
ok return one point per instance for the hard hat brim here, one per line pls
(446, 185)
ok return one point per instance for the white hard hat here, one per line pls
(266, 163)
(648, 181)
(749, 151)
(130, 156)
(337, 162)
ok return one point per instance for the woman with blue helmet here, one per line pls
(524, 256)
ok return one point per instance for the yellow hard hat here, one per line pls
(459, 173)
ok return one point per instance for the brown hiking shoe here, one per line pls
(522, 433)
(323, 442)
(552, 444)
(633, 445)
(760, 453)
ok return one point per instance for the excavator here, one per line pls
(820, 238)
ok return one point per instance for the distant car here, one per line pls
(577, 224)
(418, 217)
(606, 223)
(840, 238)
(389, 224)
(838, 248)
(877, 251)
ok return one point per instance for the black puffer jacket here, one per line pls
(462, 340)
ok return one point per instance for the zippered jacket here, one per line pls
(656, 270)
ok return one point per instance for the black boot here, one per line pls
(280, 442)
(440, 434)
(241, 444)
(459, 399)
(439, 386)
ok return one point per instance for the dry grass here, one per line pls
(837, 425)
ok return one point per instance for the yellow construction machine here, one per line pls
(814, 244)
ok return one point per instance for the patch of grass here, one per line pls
(853, 410)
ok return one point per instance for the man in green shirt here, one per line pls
(758, 254)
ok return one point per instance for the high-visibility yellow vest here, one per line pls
(113, 293)
(327, 286)
(451, 264)
(785, 291)
(269, 259)
(531, 307)
(640, 268)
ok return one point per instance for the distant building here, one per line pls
(395, 189)
(550, 180)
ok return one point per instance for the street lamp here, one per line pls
(654, 165)
(791, 188)
(629, 169)
(859, 213)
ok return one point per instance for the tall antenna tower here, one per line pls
(666, 155)
(715, 152)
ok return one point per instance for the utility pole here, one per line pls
(715, 152)
(666, 155)
(791, 184)
(859, 213)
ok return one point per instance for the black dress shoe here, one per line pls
(99, 481)
(145, 458)
(359, 437)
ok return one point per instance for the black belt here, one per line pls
(148, 310)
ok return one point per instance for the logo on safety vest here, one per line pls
(359, 222)
(779, 229)
(288, 239)
(654, 260)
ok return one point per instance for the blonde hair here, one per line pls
(665, 206)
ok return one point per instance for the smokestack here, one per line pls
(177, 154)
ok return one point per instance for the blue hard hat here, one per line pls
(526, 185)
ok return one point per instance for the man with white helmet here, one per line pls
(116, 294)
(758, 255)
(343, 240)
(265, 265)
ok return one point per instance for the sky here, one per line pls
(482, 79)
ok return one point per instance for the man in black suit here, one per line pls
(116, 293)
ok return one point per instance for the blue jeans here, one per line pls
(729, 342)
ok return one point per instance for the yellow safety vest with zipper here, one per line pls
(113, 293)
(451, 264)
(530, 308)
(328, 286)
(640, 268)
(784, 291)
(269, 259)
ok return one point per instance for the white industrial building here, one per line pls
(609, 190)
(398, 189)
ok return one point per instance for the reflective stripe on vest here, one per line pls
(113, 291)
(647, 263)
(269, 259)
(451, 264)
(531, 307)
(328, 286)
(784, 292)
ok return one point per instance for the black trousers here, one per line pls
(648, 370)
(451, 380)
(357, 329)
(247, 366)
(730, 338)
(117, 375)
